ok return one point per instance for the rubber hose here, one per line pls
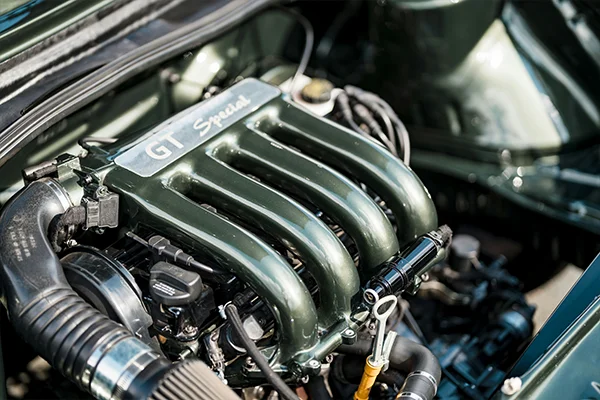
(417, 361)
(261, 362)
(88, 348)
(316, 389)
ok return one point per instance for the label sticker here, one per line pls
(192, 127)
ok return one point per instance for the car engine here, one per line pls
(265, 238)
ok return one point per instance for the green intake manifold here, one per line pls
(212, 154)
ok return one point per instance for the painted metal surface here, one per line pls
(182, 134)
(259, 188)
(36, 20)
(569, 369)
(575, 303)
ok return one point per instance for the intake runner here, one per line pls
(262, 162)
(96, 353)
(220, 178)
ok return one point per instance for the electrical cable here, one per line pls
(308, 45)
(401, 130)
(261, 362)
(328, 40)
(389, 127)
(368, 107)
(364, 114)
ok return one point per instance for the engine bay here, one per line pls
(257, 222)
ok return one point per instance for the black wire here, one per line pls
(308, 44)
(261, 362)
(376, 104)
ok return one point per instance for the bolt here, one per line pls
(512, 386)
(425, 277)
(259, 392)
(329, 358)
(304, 379)
(190, 330)
(250, 362)
(348, 336)
(314, 364)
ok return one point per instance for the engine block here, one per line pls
(265, 164)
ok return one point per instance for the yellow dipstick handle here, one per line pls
(367, 381)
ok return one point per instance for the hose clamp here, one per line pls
(118, 367)
(92, 362)
(409, 395)
(427, 376)
(59, 191)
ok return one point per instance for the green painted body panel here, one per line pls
(263, 189)
(570, 367)
(36, 20)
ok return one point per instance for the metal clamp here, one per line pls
(427, 376)
(409, 395)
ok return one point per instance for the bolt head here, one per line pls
(512, 386)
(190, 330)
(349, 336)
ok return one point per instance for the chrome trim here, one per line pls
(370, 296)
(60, 192)
(427, 376)
(409, 395)
(106, 342)
(119, 366)
(131, 372)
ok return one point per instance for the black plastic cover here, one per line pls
(174, 286)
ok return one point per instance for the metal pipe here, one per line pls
(370, 163)
(159, 206)
(324, 255)
(94, 352)
(336, 195)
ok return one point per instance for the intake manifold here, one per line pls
(266, 165)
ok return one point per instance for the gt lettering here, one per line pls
(159, 151)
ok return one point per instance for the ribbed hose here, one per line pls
(417, 361)
(68, 331)
(96, 353)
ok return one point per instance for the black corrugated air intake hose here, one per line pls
(96, 353)
(421, 366)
